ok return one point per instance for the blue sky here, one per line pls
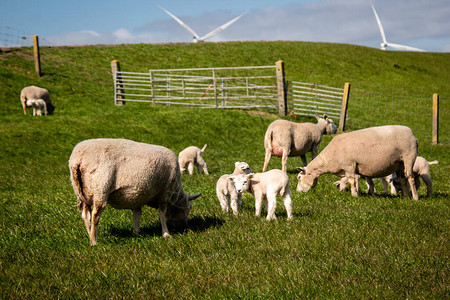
(423, 24)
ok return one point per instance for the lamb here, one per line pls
(192, 156)
(226, 191)
(34, 92)
(371, 152)
(266, 186)
(284, 138)
(128, 175)
(38, 105)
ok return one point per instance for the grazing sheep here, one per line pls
(266, 186)
(192, 156)
(284, 138)
(371, 152)
(38, 105)
(34, 92)
(127, 175)
(226, 191)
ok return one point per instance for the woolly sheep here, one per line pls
(127, 175)
(34, 92)
(371, 152)
(38, 105)
(266, 186)
(192, 156)
(284, 138)
(226, 191)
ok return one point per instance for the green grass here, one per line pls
(336, 247)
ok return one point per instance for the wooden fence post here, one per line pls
(344, 106)
(37, 57)
(281, 87)
(435, 134)
(118, 87)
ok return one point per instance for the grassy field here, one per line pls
(336, 247)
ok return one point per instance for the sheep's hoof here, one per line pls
(166, 235)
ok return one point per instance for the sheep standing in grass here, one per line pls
(34, 92)
(265, 187)
(226, 191)
(38, 105)
(192, 156)
(284, 138)
(371, 152)
(128, 175)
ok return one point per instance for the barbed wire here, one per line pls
(14, 37)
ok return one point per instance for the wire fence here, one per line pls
(12, 37)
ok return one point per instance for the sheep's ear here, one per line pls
(231, 177)
(250, 176)
(243, 167)
(325, 116)
(317, 118)
(302, 170)
(236, 163)
(193, 197)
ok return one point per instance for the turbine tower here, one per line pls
(384, 42)
(196, 37)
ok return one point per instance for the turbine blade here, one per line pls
(189, 29)
(403, 47)
(219, 29)
(383, 36)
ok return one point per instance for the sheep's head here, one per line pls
(241, 182)
(177, 214)
(242, 167)
(326, 124)
(305, 181)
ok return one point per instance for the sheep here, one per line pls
(370, 152)
(38, 105)
(192, 156)
(284, 138)
(127, 175)
(421, 169)
(266, 186)
(226, 191)
(34, 92)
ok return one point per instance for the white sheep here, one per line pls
(265, 187)
(284, 138)
(226, 191)
(371, 152)
(38, 105)
(34, 92)
(127, 175)
(192, 156)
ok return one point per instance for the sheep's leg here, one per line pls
(415, 195)
(137, 212)
(258, 204)
(304, 161)
(162, 216)
(370, 185)
(288, 204)
(385, 185)
(191, 168)
(224, 202)
(271, 205)
(234, 204)
(86, 216)
(34, 111)
(45, 108)
(354, 185)
(98, 207)
(267, 159)
(427, 179)
(284, 159)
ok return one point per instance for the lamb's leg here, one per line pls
(288, 204)
(34, 111)
(258, 204)
(271, 206)
(137, 212)
(267, 159)
(98, 207)
(224, 202)
(234, 204)
(45, 108)
(427, 179)
(191, 168)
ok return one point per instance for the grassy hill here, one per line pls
(337, 246)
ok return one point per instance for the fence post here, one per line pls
(435, 137)
(344, 106)
(281, 86)
(37, 57)
(118, 87)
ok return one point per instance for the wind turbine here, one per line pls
(385, 43)
(197, 38)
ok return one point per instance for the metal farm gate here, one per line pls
(230, 87)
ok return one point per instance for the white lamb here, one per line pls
(38, 105)
(266, 186)
(284, 138)
(226, 191)
(35, 92)
(192, 156)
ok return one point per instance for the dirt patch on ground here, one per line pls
(261, 114)
(23, 53)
